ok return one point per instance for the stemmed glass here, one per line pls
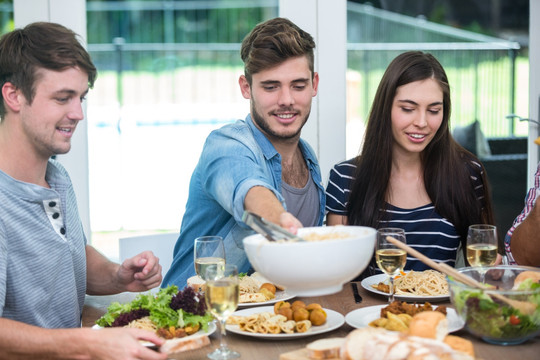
(482, 246)
(208, 250)
(390, 259)
(221, 297)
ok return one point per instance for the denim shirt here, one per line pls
(234, 159)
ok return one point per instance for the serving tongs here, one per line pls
(525, 307)
(269, 230)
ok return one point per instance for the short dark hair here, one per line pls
(272, 42)
(40, 45)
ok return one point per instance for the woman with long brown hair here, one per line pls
(411, 173)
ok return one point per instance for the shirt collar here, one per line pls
(270, 151)
(266, 146)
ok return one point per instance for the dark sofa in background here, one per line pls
(506, 169)
(505, 161)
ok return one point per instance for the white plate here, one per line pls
(211, 328)
(360, 318)
(280, 296)
(333, 321)
(375, 279)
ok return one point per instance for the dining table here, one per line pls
(342, 302)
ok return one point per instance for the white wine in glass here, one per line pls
(482, 246)
(221, 295)
(390, 259)
(208, 250)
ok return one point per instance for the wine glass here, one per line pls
(208, 250)
(390, 259)
(221, 295)
(482, 246)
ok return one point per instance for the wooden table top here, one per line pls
(342, 302)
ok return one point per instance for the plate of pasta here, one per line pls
(265, 318)
(428, 285)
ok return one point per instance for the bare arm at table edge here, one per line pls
(525, 240)
(23, 341)
(263, 202)
(103, 277)
(335, 219)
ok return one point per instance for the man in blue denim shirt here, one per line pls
(258, 164)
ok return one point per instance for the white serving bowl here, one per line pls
(313, 268)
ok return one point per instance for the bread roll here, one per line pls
(535, 275)
(460, 344)
(429, 324)
(261, 280)
(376, 343)
(325, 348)
(196, 283)
(270, 287)
(177, 345)
(354, 344)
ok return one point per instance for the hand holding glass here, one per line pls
(221, 295)
(208, 250)
(390, 259)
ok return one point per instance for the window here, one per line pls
(168, 75)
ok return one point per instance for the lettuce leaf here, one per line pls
(158, 305)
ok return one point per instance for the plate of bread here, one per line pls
(427, 338)
(428, 285)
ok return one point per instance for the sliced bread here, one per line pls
(325, 348)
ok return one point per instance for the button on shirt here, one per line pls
(234, 159)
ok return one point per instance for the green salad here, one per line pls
(494, 319)
(167, 308)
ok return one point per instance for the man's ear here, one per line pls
(315, 83)
(244, 87)
(12, 97)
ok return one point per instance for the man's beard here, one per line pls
(265, 127)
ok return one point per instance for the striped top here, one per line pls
(426, 230)
(42, 251)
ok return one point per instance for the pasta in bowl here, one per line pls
(332, 256)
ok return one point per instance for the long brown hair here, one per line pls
(447, 166)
